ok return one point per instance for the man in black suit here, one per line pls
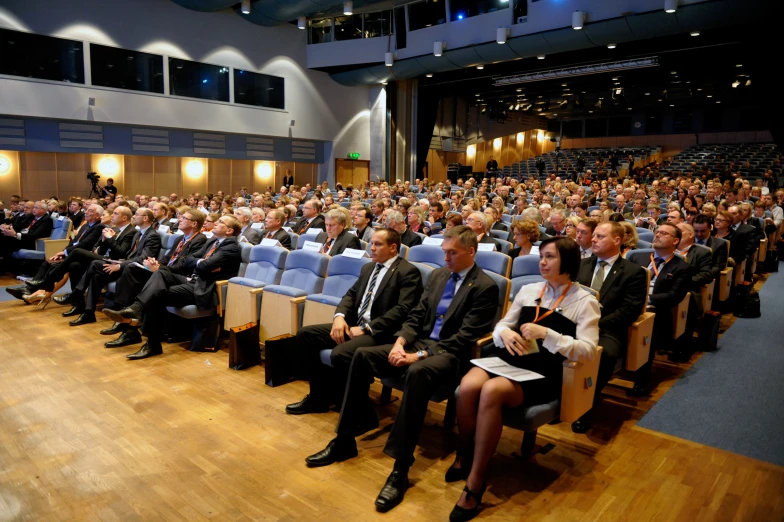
(336, 239)
(133, 278)
(39, 227)
(218, 259)
(492, 214)
(622, 295)
(742, 237)
(701, 263)
(115, 244)
(397, 222)
(433, 349)
(288, 179)
(703, 225)
(478, 222)
(23, 217)
(249, 234)
(670, 281)
(86, 239)
(146, 244)
(375, 307)
(75, 213)
(273, 222)
(311, 217)
(557, 226)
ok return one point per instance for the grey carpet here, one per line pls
(733, 399)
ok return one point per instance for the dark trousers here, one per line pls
(75, 265)
(421, 378)
(94, 280)
(129, 285)
(326, 385)
(164, 289)
(612, 350)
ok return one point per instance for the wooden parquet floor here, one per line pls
(87, 435)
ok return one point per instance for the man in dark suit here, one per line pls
(75, 213)
(701, 263)
(742, 237)
(311, 217)
(273, 222)
(478, 222)
(218, 259)
(557, 226)
(670, 281)
(703, 225)
(86, 239)
(39, 227)
(146, 244)
(133, 278)
(433, 349)
(397, 222)
(288, 179)
(23, 216)
(361, 218)
(115, 244)
(492, 214)
(622, 295)
(370, 313)
(336, 239)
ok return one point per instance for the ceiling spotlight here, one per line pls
(484, 110)
(389, 59)
(519, 90)
(699, 89)
(709, 96)
(735, 84)
(718, 101)
(748, 83)
(438, 48)
(348, 8)
(611, 46)
(672, 105)
(578, 19)
(615, 79)
(245, 7)
(695, 33)
(564, 85)
(500, 35)
(383, 82)
(739, 65)
(540, 57)
(673, 72)
(429, 75)
(511, 107)
(477, 95)
(590, 112)
(647, 94)
(670, 6)
(628, 108)
(517, 107)
(301, 22)
(480, 67)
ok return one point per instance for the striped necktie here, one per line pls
(327, 246)
(369, 293)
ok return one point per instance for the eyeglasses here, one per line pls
(663, 233)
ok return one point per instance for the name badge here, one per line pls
(311, 246)
(287, 229)
(60, 218)
(204, 210)
(270, 242)
(257, 226)
(485, 247)
(208, 235)
(432, 241)
(164, 229)
(316, 231)
(173, 220)
(355, 253)
(352, 232)
(137, 227)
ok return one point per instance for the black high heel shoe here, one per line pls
(460, 514)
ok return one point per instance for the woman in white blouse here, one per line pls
(538, 310)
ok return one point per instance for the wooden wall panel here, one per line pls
(305, 173)
(72, 172)
(168, 176)
(9, 182)
(241, 176)
(139, 176)
(39, 179)
(218, 175)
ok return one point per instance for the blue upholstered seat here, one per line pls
(430, 255)
(60, 231)
(304, 274)
(497, 262)
(525, 270)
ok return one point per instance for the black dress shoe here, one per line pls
(34, 284)
(127, 315)
(680, 356)
(337, 450)
(307, 405)
(584, 423)
(369, 423)
(74, 310)
(17, 291)
(393, 492)
(127, 337)
(461, 514)
(87, 317)
(641, 389)
(71, 298)
(146, 351)
(114, 329)
(454, 474)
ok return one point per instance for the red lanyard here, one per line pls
(539, 302)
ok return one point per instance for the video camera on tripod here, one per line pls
(95, 190)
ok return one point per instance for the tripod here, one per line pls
(95, 191)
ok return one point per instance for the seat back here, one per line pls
(645, 234)
(61, 229)
(496, 262)
(525, 270)
(504, 289)
(294, 239)
(305, 271)
(402, 253)
(266, 264)
(499, 234)
(430, 255)
(309, 235)
(505, 245)
(644, 245)
(245, 249)
(425, 271)
(342, 273)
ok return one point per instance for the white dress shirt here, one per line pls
(380, 277)
(578, 306)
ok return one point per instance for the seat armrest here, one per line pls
(639, 344)
(53, 246)
(481, 343)
(296, 304)
(256, 291)
(725, 283)
(579, 387)
(221, 287)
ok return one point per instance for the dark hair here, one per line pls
(392, 237)
(365, 212)
(616, 216)
(569, 253)
(457, 219)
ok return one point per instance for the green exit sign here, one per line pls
(353, 155)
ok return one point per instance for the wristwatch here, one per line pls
(421, 354)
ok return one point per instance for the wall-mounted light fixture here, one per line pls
(348, 8)
(438, 48)
(500, 35)
(245, 6)
(578, 20)
(302, 22)
(5, 165)
(389, 59)
(194, 169)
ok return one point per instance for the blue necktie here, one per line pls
(443, 306)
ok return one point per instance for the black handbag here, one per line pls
(708, 337)
(277, 360)
(772, 260)
(244, 350)
(751, 308)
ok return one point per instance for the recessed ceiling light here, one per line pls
(480, 67)
(477, 94)
(615, 78)
(699, 88)
(540, 57)
(611, 46)
(694, 33)
(591, 112)
(739, 65)
(673, 72)
(647, 94)
(555, 115)
(710, 96)
(628, 108)
(564, 84)
(672, 105)
(718, 101)
(519, 90)
(429, 75)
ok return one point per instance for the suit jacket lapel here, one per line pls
(465, 287)
(388, 275)
(609, 279)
